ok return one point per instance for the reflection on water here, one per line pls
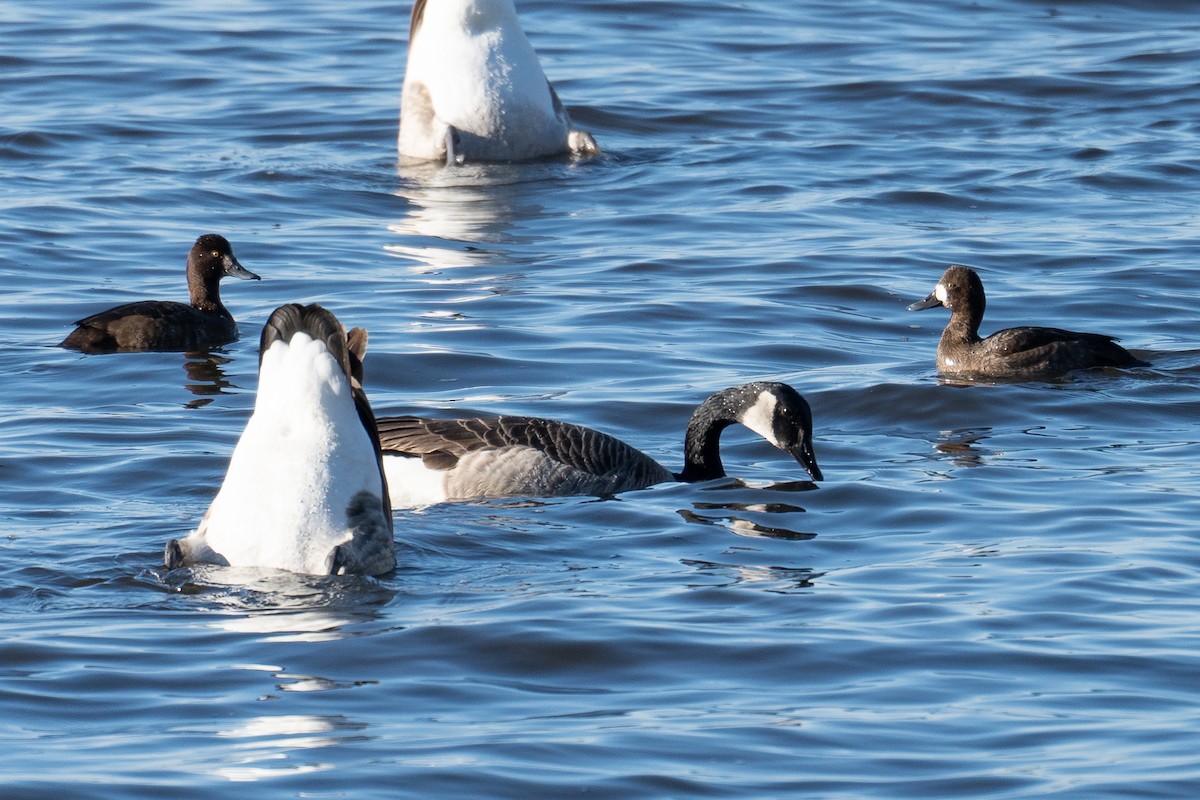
(452, 210)
(284, 606)
(269, 746)
(787, 579)
(743, 526)
(749, 515)
(316, 683)
(960, 446)
(804, 485)
(205, 376)
(765, 508)
(289, 626)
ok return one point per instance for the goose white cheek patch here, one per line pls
(760, 418)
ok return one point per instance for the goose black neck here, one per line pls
(702, 443)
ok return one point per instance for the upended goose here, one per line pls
(1023, 352)
(436, 460)
(305, 490)
(475, 91)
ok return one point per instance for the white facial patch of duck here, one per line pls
(941, 294)
(301, 460)
(760, 417)
(471, 61)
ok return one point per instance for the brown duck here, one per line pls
(1025, 352)
(165, 324)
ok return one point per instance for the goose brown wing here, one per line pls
(414, 23)
(442, 442)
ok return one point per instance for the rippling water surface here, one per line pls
(994, 593)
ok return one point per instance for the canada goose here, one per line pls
(434, 460)
(475, 91)
(305, 490)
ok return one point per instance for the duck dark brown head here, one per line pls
(211, 259)
(959, 289)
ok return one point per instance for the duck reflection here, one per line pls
(205, 376)
(960, 446)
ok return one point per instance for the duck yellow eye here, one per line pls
(216, 254)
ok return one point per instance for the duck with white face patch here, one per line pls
(1027, 352)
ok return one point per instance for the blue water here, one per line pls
(995, 593)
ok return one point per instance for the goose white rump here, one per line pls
(475, 91)
(305, 489)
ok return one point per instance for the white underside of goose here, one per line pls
(303, 473)
(474, 89)
(412, 484)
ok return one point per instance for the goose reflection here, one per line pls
(743, 525)
(747, 516)
(762, 508)
(780, 580)
(452, 212)
(283, 606)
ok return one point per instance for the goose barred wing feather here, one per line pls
(442, 443)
